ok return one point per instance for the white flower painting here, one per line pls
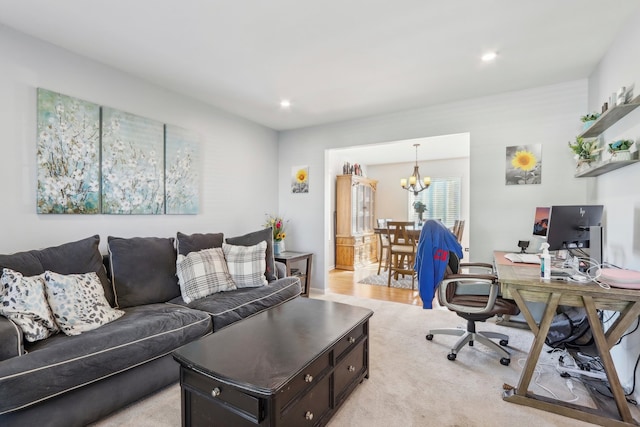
(182, 177)
(68, 155)
(132, 164)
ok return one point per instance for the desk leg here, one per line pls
(607, 361)
(538, 342)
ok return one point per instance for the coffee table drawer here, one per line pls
(222, 393)
(349, 341)
(309, 410)
(307, 378)
(349, 368)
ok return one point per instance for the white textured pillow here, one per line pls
(246, 264)
(78, 302)
(203, 273)
(23, 300)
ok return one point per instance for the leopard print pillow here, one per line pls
(78, 302)
(23, 300)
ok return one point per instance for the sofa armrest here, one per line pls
(281, 270)
(10, 339)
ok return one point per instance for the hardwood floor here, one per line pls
(346, 283)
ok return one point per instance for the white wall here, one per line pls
(501, 215)
(619, 191)
(239, 158)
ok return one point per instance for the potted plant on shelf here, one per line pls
(620, 149)
(588, 120)
(586, 151)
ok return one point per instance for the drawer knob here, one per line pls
(351, 368)
(351, 340)
(215, 392)
(308, 415)
(308, 378)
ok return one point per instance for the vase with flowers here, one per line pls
(278, 225)
(419, 207)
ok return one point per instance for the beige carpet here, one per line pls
(411, 381)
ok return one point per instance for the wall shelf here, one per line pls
(604, 167)
(609, 117)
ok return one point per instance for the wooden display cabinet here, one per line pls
(356, 244)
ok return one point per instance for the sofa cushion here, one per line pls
(143, 270)
(197, 242)
(77, 302)
(62, 363)
(226, 308)
(254, 238)
(82, 256)
(203, 273)
(246, 264)
(23, 300)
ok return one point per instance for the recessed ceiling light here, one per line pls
(285, 103)
(489, 56)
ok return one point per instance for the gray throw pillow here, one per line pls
(82, 256)
(143, 270)
(251, 239)
(197, 242)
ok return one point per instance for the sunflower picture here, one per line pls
(524, 164)
(300, 179)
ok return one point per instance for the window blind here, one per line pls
(442, 200)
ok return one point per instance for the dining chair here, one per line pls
(385, 255)
(402, 250)
(458, 229)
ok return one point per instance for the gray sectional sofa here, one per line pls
(67, 380)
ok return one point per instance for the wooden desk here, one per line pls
(288, 258)
(522, 282)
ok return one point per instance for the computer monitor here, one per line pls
(541, 221)
(569, 226)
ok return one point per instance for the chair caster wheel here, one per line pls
(504, 343)
(429, 337)
(451, 356)
(504, 361)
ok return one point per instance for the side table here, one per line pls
(289, 258)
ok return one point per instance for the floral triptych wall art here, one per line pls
(94, 159)
(524, 165)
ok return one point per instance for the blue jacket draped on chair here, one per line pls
(432, 257)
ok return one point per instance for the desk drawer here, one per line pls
(222, 393)
(349, 341)
(305, 379)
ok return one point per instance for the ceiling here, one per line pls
(334, 59)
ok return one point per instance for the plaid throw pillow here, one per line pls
(246, 264)
(203, 273)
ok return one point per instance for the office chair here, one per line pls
(474, 297)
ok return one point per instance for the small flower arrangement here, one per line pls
(585, 150)
(620, 145)
(419, 207)
(589, 117)
(277, 224)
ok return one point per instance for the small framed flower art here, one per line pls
(300, 179)
(524, 165)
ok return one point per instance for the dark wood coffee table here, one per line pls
(291, 365)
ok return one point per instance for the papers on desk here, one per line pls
(523, 258)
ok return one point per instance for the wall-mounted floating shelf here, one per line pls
(609, 117)
(604, 167)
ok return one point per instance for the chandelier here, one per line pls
(416, 184)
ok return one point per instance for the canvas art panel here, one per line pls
(182, 171)
(132, 164)
(523, 164)
(68, 155)
(300, 179)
